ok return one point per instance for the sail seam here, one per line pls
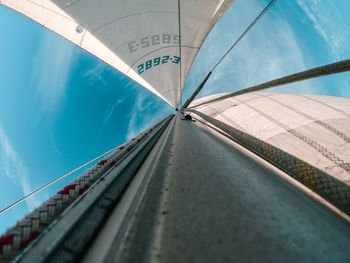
(307, 116)
(315, 145)
(324, 104)
(180, 37)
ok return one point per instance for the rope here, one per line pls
(187, 103)
(246, 31)
(195, 93)
(315, 145)
(33, 225)
(52, 182)
(338, 67)
(330, 188)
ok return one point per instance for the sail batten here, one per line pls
(140, 38)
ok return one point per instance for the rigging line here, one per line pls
(334, 68)
(54, 181)
(180, 37)
(188, 102)
(246, 31)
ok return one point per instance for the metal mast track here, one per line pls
(69, 219)
(186, 190)
(196, 198)
(330, 188)
(188, 194)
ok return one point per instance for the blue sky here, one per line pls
(60, 109)
(291, 37)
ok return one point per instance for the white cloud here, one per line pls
(327, 22)
(140, 119)
(15, 169)
(52, 65)
(55, 146)
(132, 129)
(136, 124)
(94, 74)
(110, 111)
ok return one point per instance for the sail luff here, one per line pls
(139, 38)
(87, 42)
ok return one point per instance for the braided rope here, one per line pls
(338, 67)
(30, 227)
(330, 188)
(318, 147)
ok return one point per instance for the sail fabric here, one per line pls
(140, 38)
(313, 128)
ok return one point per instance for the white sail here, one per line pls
(140, 38)
(313, 128)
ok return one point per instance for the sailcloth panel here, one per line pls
(140, 38)
(314, 128)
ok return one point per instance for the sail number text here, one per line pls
(152, 41)
(157, 61)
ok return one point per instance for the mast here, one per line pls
(196, 195)
(183, 191)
